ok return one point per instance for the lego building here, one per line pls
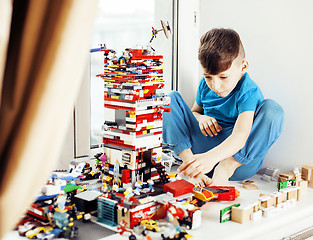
(133, 86)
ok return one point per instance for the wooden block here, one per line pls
(250, 186)
(279, 197)
(256, 206)
(306, 172)
(281, 179)
(241, 214)
(246, 182)
(267, 201)
(293, 194)
(288, 175)
(298, 177)
(298, 194)
(303, 184)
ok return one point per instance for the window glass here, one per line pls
(119, 24)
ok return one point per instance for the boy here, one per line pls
(230, 127)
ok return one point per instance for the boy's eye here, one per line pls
(223, 77)
(207, 77)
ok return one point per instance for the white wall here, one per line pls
(278, 39)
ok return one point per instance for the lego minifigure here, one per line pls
(150, 184)
(138, 187)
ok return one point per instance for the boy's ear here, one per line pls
(244, 66)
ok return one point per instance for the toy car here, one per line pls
(33, 233)
(49, 234)
(150, 225)
(223, 193)
(22, 229)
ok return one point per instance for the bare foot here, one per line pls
(219, 182)
(202, 181)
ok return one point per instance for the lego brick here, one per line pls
(225, 213)
(256, 216)
(144, 143)
(132, 138)
(179, 187)
(291, 203)
(141, 212)
(270, 212)
(87, 201)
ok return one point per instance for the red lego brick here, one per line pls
(178, 187)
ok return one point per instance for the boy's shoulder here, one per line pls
(248, 88)
(247, 84)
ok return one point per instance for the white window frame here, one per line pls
(81, 127)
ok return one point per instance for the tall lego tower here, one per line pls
(133, 87)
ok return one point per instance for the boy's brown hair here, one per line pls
(218, 49)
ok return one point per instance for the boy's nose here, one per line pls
(216, 84)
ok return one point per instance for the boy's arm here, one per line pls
(208, 125)
(204, 163)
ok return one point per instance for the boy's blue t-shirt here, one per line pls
(245, 97)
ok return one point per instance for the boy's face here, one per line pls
(223, 83)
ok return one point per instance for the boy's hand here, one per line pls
(208, 125)
(200, 164)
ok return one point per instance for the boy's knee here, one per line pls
(272, 112)
(174, 95)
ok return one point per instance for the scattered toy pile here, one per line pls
(291, 185)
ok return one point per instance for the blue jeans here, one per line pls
(181, 129)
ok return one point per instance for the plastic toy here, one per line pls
(150, 225)
(122, 228)
(165, 28)
(179, 187)
(22, 229)
(188, 215)
(182, 235)
(225, 213)
(33, 233)
(223, 193)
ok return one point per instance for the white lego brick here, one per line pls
(113, 155)
(284, 206)
(256, 216)
(147, 125)
(149, 142)
(264, 198)
(291, 203)
(141, 104)
(131, 137)
(270, 212)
